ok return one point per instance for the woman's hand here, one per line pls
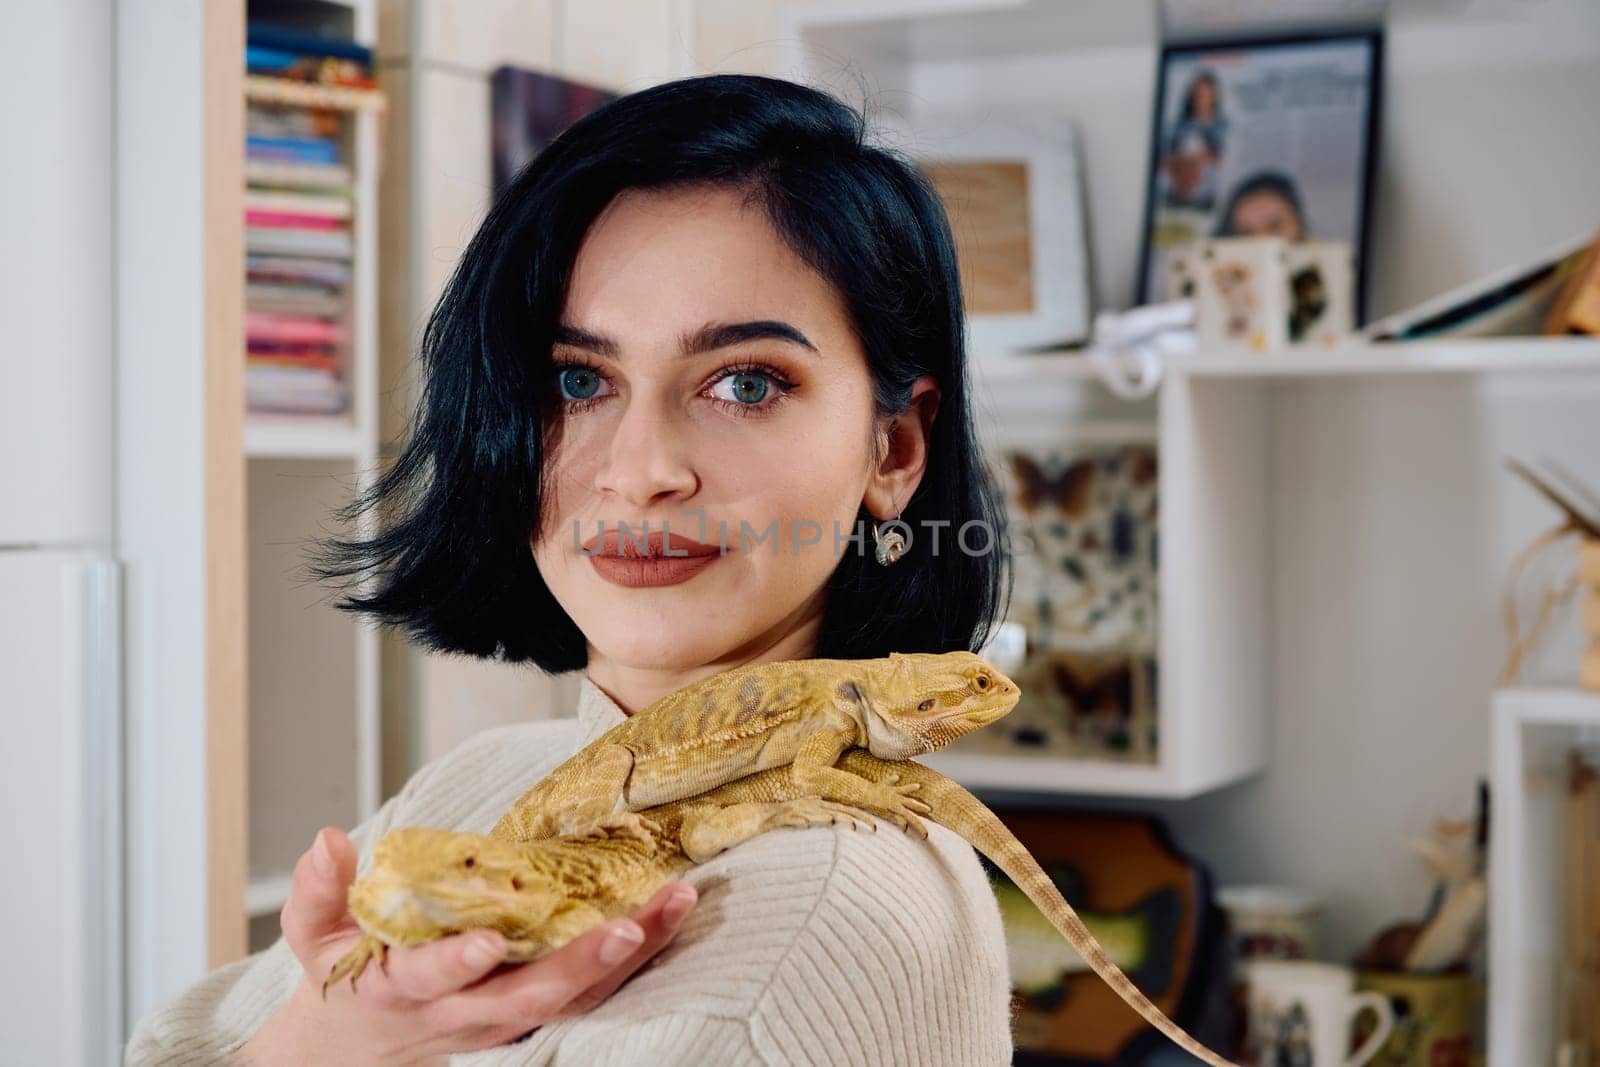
(439, 997)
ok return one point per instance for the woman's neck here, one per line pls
(634, 688)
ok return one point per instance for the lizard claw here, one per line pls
(354, 962)
(900, 808)
(621, 824)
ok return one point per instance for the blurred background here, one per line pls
(1262, 297)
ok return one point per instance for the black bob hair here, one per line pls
(450, 560)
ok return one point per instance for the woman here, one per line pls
(1194, 147)
(710, 305)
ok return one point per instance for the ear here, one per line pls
(901, 451)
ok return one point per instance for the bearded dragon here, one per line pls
(803, 713)
(540, 894)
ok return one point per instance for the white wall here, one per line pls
(160, 507)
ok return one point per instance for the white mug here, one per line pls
(1301, 1012)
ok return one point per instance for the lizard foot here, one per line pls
(354, 962)
(621, 824)
(896, 804)
(814, 811)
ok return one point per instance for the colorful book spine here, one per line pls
(291, 149)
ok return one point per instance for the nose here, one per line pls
(648, 461)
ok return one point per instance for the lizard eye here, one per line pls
(926, 705)
(470, 861)
(981, 681)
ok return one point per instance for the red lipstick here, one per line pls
(665, 558)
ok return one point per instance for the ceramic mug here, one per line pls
(1300, 1015)
(1270, 922)
(1433, 1017)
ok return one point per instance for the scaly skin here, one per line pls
(766, 715)
(541, 894)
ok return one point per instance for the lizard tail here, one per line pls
(956, 809)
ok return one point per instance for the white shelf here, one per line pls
(1532, 730)
(266, 893)
(303, 437)
(1043, 775)
(1474, 355)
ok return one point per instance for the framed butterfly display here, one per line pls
(1085, 592)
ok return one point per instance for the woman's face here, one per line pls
(1205, 100)
(722, 443)
(1266, 214)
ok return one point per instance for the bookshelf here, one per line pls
(1242, 631)
(314, 672)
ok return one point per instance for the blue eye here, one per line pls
(578, 383)
(747, 387)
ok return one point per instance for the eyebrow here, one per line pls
(708, 338)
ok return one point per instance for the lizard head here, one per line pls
(916, 702)
(426, 883)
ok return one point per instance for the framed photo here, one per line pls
(1012, 188)
(1272, 136)
(530, 109)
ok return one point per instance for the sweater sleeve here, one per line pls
(811, 946)
(208, 1021)
(902, 962)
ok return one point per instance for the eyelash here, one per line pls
(733, 407)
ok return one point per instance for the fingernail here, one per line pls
(321, 858)
(620, 944)
(482, 952)
(678, 905)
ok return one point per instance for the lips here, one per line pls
(658, 544)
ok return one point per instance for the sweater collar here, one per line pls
(597, 712)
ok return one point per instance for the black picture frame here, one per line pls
(1362, 170)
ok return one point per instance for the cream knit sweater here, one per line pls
(818, 946)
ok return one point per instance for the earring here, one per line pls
(890, 546)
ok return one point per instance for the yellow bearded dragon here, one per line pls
(540, 890)
(764, 715)
(541, 894)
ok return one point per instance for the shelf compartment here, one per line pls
(268, 436)
(266, 893)
(1533, 728)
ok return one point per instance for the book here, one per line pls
(294, 270)
(287, 221)
(267, 326)
(1577, 306)
(279, 173)
(334, 244)
(294, 300)
(322, 205)
(267, 35)
(1508, 303)
(292, 149)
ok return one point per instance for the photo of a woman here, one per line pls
(707, 307)
(1265, 204)
(1194, 145)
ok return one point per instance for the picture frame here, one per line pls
(1012, 187)
(1263, 136)
(528, 110)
